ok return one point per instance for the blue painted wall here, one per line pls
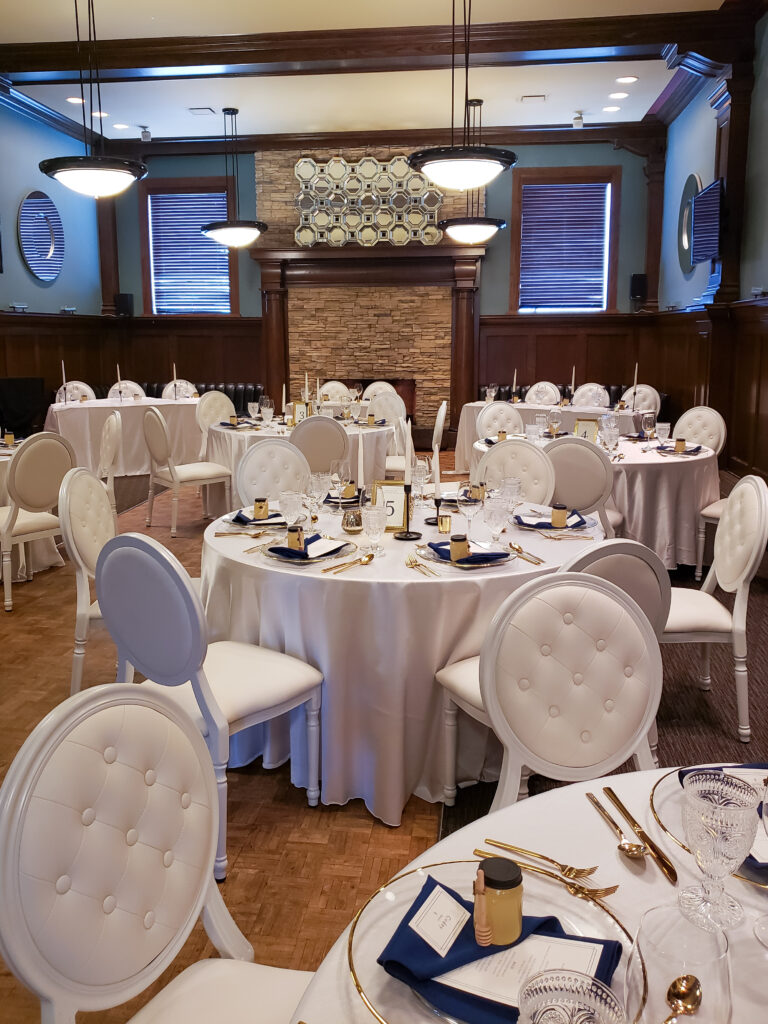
(79, 283)
(754, 253)
(127, 212)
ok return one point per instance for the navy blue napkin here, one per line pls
(546, 524)
(489, 441)
(302, 553)
(693, 450)
(245, 520)
(443, 550)
(634, 437)
(411, 960)
(752, 862)
(331, 499)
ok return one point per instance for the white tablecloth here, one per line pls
(227, 447)
(338, 407)
(378, 633)
(467, 431)
(562, 824)
(27, 558)
(81, 423)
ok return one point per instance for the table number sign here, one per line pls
(299, 411)
(586, 428)
(391, 494)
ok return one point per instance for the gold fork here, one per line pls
(413, 563)
(584, 892)
(565, 869)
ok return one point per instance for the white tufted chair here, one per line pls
(499, 415)
(271, 466)
(109, 452)
(388, 406)
(108, 827)
(647, 399)
(35, 473)
(183, 389)
(584, 479)
(128, 388)
(164, 471)
(213, 407)
(157, 621)
(335, 391)
(376, 388)
(543, 392)
(439, 427)
(696, 616)
(321, 440)
(522, 459)
(395, 464)
(569, 678)
(74, 391)
(591, 394)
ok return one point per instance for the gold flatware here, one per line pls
(533, 559)
(365, 560)
(584, 892)
(665, 864)
(239, 533)
(683, 997)
(635, 851)
(337, 565)
(566, 536)
(413, 563)
(565, 869)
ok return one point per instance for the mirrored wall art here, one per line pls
(41, 236)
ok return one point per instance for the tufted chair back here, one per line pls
(74, 390)
(86, 519)
(335, 391)
(702, 425)
(437, 432)
(583, 476)
(129, 389)
(570, 676)
(524, 460)
(184, 389)
(741, 536)
(213, 407)
(499, 415)
(109, 452)
(636, 569)
(158, 441)
(389, 406)
(376, 388)
(591, 394)
(647, 399)
(543, 393)
(271, 466)
(321, 440)
(36, 470)
(108, 818)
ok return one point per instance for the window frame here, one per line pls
(164, 186)
(593, 175)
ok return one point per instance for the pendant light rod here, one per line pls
(233, 232)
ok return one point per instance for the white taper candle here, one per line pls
(408, 452)
(514, 383)
(360, 459)
(283, 404)
(573, 380)
(63, 374)
(436, 469)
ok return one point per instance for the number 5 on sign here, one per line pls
(391, 495)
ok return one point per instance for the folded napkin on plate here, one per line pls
(331, 499)
(634, 437)
(314, 547)
(693, 449)
(752, 862)
(411, 960)
(226, 423)
(273, 519)
(490, 440)
(574, 522)
(443, 549)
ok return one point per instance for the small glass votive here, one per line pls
(444, 523)
(260, 508)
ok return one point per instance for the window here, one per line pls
(565, 237)
(185, 272)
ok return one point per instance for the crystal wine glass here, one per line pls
(290, 505)
(420, 473)
(761, 924)
(495, 514)
(512, 493)
(554, 419)
(267, 409)
(568, 997)
(490, 392)
(341, 477)
(720, 819)
(649, 424)
(319, 486)
(469, 506)
(374, 524)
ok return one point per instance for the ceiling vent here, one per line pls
(534, 98)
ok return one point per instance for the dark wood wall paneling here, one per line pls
(745, 339)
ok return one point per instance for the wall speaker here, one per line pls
(124, 304)
(638, 288)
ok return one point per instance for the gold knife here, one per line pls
(665, 864)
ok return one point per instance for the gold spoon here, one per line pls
(365, 560)
(683, 997)
(524, 554)
(634, 851)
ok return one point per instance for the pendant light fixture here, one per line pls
(94, 174)
(473, 229)
(470, 165)
(233, 233)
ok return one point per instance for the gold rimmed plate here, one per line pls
(348, 548)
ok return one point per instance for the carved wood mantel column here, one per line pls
(274, 326)
(464, 334)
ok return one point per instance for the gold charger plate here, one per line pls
(348, 548)
(392, 1002)
(426, 552)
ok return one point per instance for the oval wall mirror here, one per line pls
(684, 224)
(41, 236)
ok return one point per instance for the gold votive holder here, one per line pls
(260, 508)
(289, 421)
(352, 521)
(9, 438)
(83, 398)
(233, 421)
(444, 523)
(477, 492)
(516, 398)
(371, 420)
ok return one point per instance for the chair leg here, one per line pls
(7, 579)
(78, 657)
(312, 712)
(28, 563)
(150, 501)
(174, 510)
(705, 682)
(522, 789)
(700, 539)
(742, 690)
(450, 745)
(228, 494)
(509, 783)
(220, 864)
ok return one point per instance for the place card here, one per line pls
(439, 921)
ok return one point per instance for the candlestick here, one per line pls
(408, 453)
(306, 386)
(407, 533)
(175, 391)
(360, 461)
(64, 381)
(514, 384)
(634, 389)
(119, 383)
(573, 380)
(283, 409)
(436, 470)
(317, 381)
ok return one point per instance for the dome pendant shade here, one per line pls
(461, 168)
(94, 176)
(234, 233)
(471, 230)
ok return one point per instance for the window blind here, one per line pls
(189, 272)
(564, 242)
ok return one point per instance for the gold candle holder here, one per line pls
(444, 522)
(9, 438)
(371, 420)
(352, 521)
(477, 492)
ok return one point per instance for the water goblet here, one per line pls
(355, 389)
(253, 410)
(305, 393)
(490, 392)
(290, 505)
(341, 477)
(374, 524)
(512, 492)
(720, 819)
(420, 473)
(346, 408)
(319, 486)
(495, 514)
(469, 506)
(267, 409)
(662, 432)
(541, 423)
(568, 997)
(761, 924)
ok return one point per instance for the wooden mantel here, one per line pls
(448, 266)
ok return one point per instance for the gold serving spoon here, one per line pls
(634, 851)
(683, 997)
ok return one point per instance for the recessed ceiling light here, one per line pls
(100, 113)
(74, 99)
(611, 110)
(120, 127)
(627, 80)
(618, 95)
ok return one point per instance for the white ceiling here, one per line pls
(116, 19)
(375, 101)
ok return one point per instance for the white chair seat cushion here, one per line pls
(194, 471)
(615, 518)
(230, 990)
(462, 680)
(715, 510)
(30, 522)
(694, 611)
(396, 464)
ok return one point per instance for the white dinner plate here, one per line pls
(347, 549)
(426, 552)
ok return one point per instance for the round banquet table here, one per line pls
(81, 424)
(378, 633)
(227, 446)
(660, 496)
(561, 824)
(338, 407)
(629, 422)
(35, 556)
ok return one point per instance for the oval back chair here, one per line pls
(702, 425)
(583, 476)
(335, 391)
(543, 392)
(376, 388)
(269, 467)
(126, 389)
(321, 440)
(179, 388)
(213, 407)
(109, 452)
(74, 390)
(521, 459)
(644, 398)
(499, 415)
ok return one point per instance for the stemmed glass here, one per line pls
(662, 432)
(649, 424)
(355, 390)
(720, 819)
(761, 924)
(341, 477)
(490, 392)
(554, 419)
(469, 506)
(420, 473)
(374, 524)
(267, 408)
(495, 514)
(253, 410)
(346, 408)
(512, 493)
(319, 486)
(290, 505)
